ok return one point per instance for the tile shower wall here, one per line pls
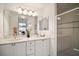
(68, 33)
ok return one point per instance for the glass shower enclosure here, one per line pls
(68, 33)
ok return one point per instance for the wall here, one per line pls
(1, 21)
(6, 23)
(50, 11)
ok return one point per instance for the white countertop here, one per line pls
(21, 39)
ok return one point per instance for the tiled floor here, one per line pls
(68, 53)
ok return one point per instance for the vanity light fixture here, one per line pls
(35, 13)
(19, 10)
(30, 13)
(27, 12)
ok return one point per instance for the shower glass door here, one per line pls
(68, 33)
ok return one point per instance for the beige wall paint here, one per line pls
(1, 21)
(50, 11)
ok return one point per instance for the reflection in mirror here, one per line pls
(22, 20)
(10, 22)
(18, 24)
(44, 23)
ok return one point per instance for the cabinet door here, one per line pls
(20, 49)
(42, 47)
(6, 50)
(38, 48)
(45, 47)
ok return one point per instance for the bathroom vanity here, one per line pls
(16, 41)
(24, 35)
(25, 46)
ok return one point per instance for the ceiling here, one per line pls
(62, 7)
(26, 5)
(35, 5)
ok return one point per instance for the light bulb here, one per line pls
(25, 12)
(19, 11)
(30, 13)
(35, 13)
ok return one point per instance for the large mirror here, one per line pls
(44, 24)
(17, 23)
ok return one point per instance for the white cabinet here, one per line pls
(20, 49)
(30, 48)
(42, 47)
(46, 47)
(38, 48)
(14, 49)
(6, 50)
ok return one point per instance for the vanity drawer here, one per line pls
(30, 43)
(30, 50)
